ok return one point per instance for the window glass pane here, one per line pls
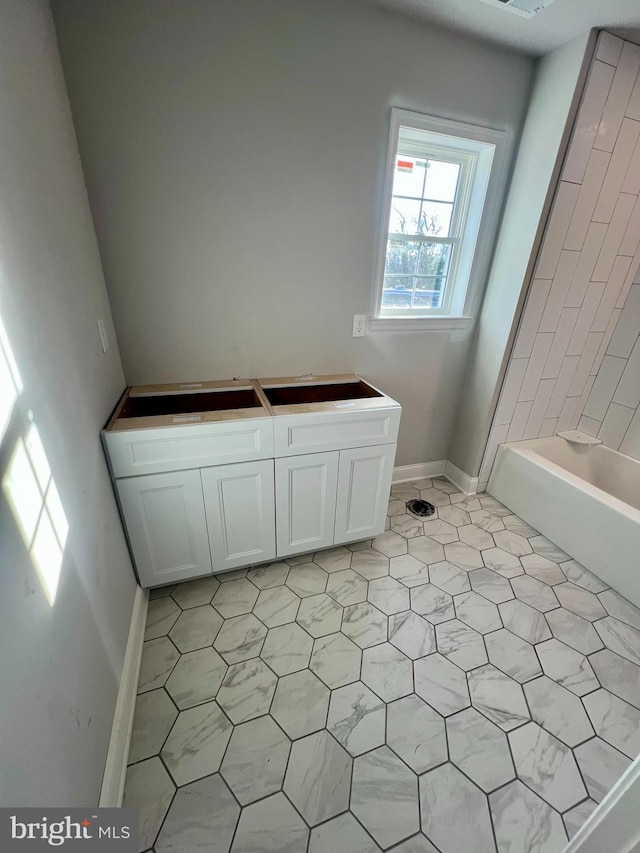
(429, 291)
(402, 258)
(408, 176)
(435, 218)
(434, 259)
(405, 215)
(442, 180)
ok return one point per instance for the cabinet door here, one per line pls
(364, 481)
(240, 506)
(165, 520)
(305, 502)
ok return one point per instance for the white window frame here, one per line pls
(481, 153)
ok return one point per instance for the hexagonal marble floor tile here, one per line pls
(441, 531)
(287, 649)
(620, 638)
(307, 579)
(618, 675)
(384, 796)
(388, 595)
(200, 811)
(416, 733)
(233, 598)
(347, 587)
(318, 777)
(601, 766)
(435, 496)
(454, 515)
(336, 660)
(256, 759)
(357, 718)
(196, 743)
(149, 788)
(498, 697)
(542, 569)
(512, 655)
(342, 832)
(409, 570)
(502, 562)
(580, 601)
(319, 615)
(195, 593)
(426, 550)
(276, 606)
(196, 678)
(269, 575)
(370, 563)
(247, 690)
(566, 666)
(517, 525)
(154, 715)
(333, 559)
(523, 821)
(486, 520)
(300, 703)
(524, 621)
(441, 684)
(534, 752)
(578, 815)
(455, 812)
(480, 749)
(615, 721)
(389, 543)
(412, 634)
(407, 525)
(558, 711)
(461, 644)
(162, 615)
(620, 608)
(196, 628)
(475, 536)
(387, 672)
(491, 585)
(576, 573)
(536, 594)
(240, 638)
(364, 624)
(547, 549)
(432, 603)
(477, 612)
(273, 822)
(449, 578)
(573, 631)
(512, 542)
(158, 659)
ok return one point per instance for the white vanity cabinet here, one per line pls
(297, 466)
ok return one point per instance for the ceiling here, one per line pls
(557, 24)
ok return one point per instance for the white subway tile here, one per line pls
(621, 88)
(581, 376)
(617, 171)
(561, 389)
(533, 374)
(560, 343)
(602, 351)
(628, 327)
(612, 291)
(497, 436)
(633, 107)
(510, 390)
(582, 402)
(633, 277)
(609, 48)
(615, 425)
(588, 121)
(588, 196)
(538, 409)
(586, 264)
(631, 442)
(615, 233)
(519, 422)
(631, 239)
(628, 390)
(556, 231)
(631, 183)
(586, 317)
(604, 387)
(549, 427)
(589, 426)
(559, 289)
(532, 314)
(567, 414)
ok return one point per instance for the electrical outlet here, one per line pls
(104, 340)
(359, 325)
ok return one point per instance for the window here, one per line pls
(438, 177)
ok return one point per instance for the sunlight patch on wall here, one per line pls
(10, 381)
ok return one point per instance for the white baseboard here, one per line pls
(465, 483)
(404, 473)
(116, 764)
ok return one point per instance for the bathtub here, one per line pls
(584, 499)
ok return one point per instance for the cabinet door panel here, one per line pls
(364, 481)
(305, 502)
(240, 507)
(165, 521)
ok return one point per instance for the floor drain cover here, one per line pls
(421, 509)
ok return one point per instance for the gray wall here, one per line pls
(234, 154)
(59, 666)
(537, 164)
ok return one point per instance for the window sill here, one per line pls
(418, 324)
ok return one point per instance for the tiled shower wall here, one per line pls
(566, 348)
